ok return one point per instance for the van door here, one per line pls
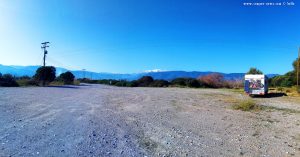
(246, 87)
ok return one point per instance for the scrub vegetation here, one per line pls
(287, 80)
(44, 76)
(214, 80)
(247, 105)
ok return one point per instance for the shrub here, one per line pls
(145, 81)
(289, 79)
(104, 81)
(67, 77)
(247, 105)
(214, 80)
(235, 84)
(132, 84)
(25, 77)
(280, 89)
(113, 82)
(193, 83)
(179, 82)
(286, 80)
(27, 82)
(276, 81)
(45, 75)
(122, 83)
(159, 83)
(8, 80)
(187, 82)
(86, 80)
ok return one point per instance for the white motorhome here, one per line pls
(256, 84)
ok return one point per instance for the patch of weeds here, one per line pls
(285, 110)
(148, 144)
(298, 137)
(230, 100)
(56, 83)
(256, 133)
(238, 90)
(280, 89)
(270, 120)
(247, 105)
(175, 105)
(173, 101)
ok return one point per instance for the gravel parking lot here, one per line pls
(99, 120)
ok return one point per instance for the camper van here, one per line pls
(256, 84)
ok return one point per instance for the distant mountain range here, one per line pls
(166, 75)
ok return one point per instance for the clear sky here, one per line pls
(128, 36)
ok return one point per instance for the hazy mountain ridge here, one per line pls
(166, 75)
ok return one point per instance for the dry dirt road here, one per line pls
(98, 120)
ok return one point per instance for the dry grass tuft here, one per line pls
(247, 105)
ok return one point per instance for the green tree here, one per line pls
(254, 71)
(45, 75)
(277, 80)
(67, 77)
(159, 83)
(179, 82)
(145, 81)
(193, 83)
(121, 83)
(295, 64)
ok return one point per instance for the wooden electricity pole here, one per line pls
(298, 60)
(44, 47)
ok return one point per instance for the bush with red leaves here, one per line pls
(214, 80)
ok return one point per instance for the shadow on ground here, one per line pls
(73, 87)
(84, 84)
(270, 95)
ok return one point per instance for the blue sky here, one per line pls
(128, 36)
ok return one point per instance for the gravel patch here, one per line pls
(99, 120)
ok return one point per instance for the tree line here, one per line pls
(214, 80)
(289, 79)
(43, 76)
(46, 75)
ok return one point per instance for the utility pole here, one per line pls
(44, 47)
(298, 60)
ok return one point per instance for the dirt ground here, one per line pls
(99, 120)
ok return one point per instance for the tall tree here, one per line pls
(254, 71)
(145, 81)
(67, 77)
(45, 75)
